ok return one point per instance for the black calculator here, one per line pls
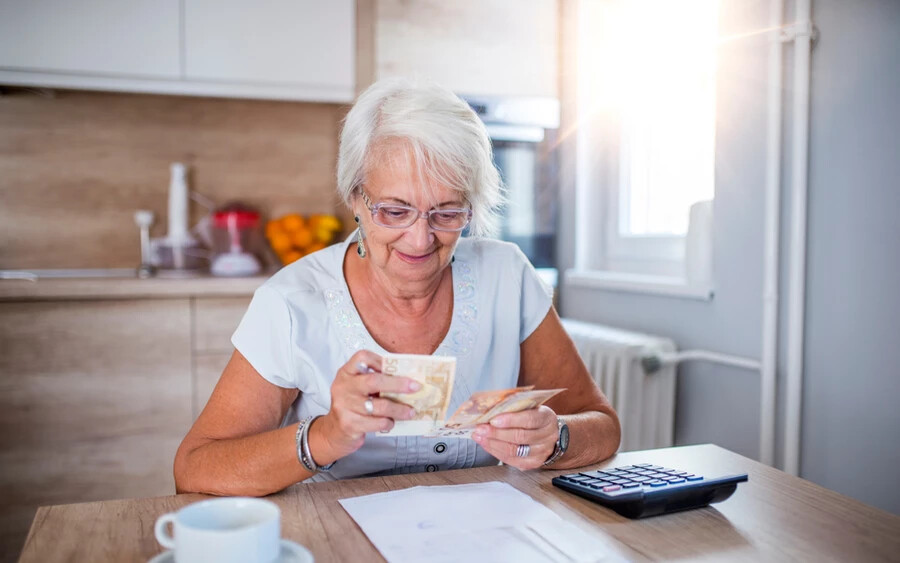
(641, 490)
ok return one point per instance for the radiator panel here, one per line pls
(644, 402)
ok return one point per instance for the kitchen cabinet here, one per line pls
(215, 320)
(96, 398)
(98, 392)
(138, 38)
(305, 42)
(476, 47)
(277, 49)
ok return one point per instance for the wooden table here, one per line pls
(774, 516)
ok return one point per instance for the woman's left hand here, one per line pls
(535, 428)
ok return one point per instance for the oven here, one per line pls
(523, 135)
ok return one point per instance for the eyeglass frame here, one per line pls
(375, 208)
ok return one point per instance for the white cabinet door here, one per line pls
(482, 47)
(310, 43)
(138, 38)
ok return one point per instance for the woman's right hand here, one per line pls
(345, 426)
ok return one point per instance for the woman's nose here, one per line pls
(420, 234)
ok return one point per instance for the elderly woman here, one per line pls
(299, 399)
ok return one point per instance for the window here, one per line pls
(646, 136)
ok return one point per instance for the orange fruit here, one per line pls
(315, 247)
(280, 241)
(302, 238)
(273, 227)
(290, 256)
(292, 222)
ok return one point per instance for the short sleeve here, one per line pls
(264, 338)
(536, 298)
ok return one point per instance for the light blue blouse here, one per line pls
(302, 326)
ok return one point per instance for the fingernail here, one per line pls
(498, 422)
(478, 437)
(411, 413)
(414, 385)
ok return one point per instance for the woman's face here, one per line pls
(417, 253)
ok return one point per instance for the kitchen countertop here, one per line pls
(48, 289)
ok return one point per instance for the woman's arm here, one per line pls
(236, 447)
(549, 360)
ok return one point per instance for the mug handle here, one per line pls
(159, 530)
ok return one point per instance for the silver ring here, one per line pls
(369, 406)
(523, 450)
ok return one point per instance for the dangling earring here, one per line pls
(453, 259)
(360, 247)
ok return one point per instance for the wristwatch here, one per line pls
(562, 442)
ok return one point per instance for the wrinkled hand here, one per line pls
(536, 428)
(344, 427)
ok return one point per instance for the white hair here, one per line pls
(446, 141)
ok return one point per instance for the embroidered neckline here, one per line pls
(458, 342)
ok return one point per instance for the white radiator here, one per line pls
(644, 402)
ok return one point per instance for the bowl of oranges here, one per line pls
(293, 236)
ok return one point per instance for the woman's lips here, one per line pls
(413, 259)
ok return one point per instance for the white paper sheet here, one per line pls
(473, 522)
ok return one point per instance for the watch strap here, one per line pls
(558, 450)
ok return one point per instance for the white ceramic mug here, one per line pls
(225, 530)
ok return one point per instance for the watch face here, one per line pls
(564, 437)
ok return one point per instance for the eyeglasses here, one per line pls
(394, 216)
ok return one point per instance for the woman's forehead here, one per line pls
(396, 174)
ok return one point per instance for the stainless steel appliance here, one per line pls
(523, 135)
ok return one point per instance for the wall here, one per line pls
(851, 421)
(851, 425)
(74, 166)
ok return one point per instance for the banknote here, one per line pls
(437, 375)
(485, 405)
(479, 404)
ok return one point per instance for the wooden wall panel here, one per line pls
(74, 166)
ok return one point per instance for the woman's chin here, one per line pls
(415, 269)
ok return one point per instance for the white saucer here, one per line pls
(290, 553)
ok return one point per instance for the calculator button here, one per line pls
(659, 475)
(621, 481)
(670, 479)
(611, 488)
(642, 479)
(630, 485)
(626, 468)
(642, 465)
(693, 477)
(598, 485)
(680, 473)
(657, 483)
(676, 480)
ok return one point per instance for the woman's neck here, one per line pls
(410, 300)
